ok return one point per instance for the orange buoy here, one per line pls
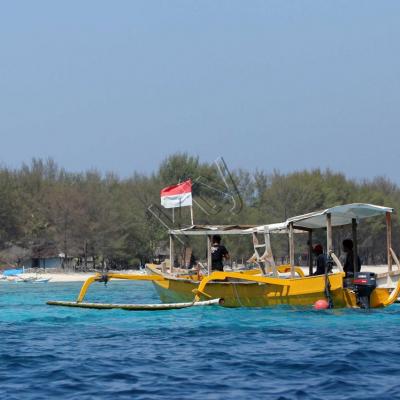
(321, 305)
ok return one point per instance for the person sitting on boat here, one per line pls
(348, 267)
(321, 261)
(219, 253)
(192, 261)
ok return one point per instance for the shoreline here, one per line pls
(64, 277)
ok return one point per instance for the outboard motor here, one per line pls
(364, 284)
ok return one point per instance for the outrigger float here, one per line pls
(269, 284)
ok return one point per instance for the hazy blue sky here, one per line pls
(119, 85)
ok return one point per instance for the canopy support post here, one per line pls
(355, 245)
(209, 260)
(389, 240)
(329, 233)
(291, 250)
(310, 253)
(171, 253)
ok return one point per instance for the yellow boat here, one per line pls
(269, 284)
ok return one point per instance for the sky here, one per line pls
(120, 85)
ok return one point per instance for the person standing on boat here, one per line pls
(321, 261)
(348, 267)
(219, 253)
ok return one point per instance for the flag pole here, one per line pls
(191, 214)
(180, 213)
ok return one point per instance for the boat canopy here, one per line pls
(340, 215)
(280, 227)
(198, 230)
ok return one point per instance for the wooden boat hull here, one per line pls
(236, 289)
(302, 291)
(237, 294)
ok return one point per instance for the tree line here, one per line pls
(45, 209)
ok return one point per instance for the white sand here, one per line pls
(61, 277)
(69, 276)
(82, 276)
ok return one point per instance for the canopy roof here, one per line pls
(198, 230)
(340, 215)
(280, 227)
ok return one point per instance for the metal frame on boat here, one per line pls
(269, 284)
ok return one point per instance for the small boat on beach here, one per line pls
(269, 284)
(13, 274)
(25, 279)
(41, 280)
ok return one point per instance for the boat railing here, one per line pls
(337, 261)
(394, 256)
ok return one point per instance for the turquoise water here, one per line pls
(209, 353)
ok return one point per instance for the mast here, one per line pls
(191, 214)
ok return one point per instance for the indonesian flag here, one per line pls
(177, 195)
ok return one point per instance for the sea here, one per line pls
(49, 352)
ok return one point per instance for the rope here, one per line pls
(237, 295)
(328, 266)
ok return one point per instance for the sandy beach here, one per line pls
(82, 276)
(61, 277)
(67, 276)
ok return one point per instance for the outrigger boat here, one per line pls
(269, 284)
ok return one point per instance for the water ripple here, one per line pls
(213, 353)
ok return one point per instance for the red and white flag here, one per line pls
(177, 195)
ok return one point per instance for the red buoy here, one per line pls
(321, 305)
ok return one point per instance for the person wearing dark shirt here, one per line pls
(219, 253)
(192, 261)
(348, 267)
(321, 260)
